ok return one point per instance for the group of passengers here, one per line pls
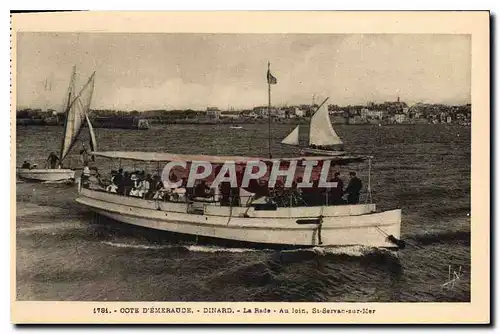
(142, 185)
(136, 184)
(317, 195)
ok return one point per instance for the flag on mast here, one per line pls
(270, 78)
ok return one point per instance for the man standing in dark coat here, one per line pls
(337, 192)
(52, 160)
(353, 189)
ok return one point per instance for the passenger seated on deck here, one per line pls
(202, 190)
(179, 194)
(112, 176)
(147, 186)
(95, 180)
(171, 183)
(143, 186)
(134, 192)
(117, 179)
(160, 191)
(26, 165)
(112, 188)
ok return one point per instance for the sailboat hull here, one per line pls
(45, 174)
(315, 151)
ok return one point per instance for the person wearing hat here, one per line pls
(134, 180)
(336, 193)
(84, 156)
(85, 178)
(353, 189)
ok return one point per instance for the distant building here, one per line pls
(291, 112)
(233, 116)
(399, 118)
(416, 114)
(278, 113)
(448, 119)
(442, 117)
(367, 113)
(364, 112)
(213, 112)
(300, 112)
(261, 111)
(252, 114)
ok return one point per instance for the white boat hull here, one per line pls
(45, 174)
(345, 225)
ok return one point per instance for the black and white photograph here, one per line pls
(243, 167)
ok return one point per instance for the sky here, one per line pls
(179, 71)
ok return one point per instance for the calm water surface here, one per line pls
(65, 253)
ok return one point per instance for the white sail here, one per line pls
(292, 138)
(93, 141)
(321, 131)
(76, 113)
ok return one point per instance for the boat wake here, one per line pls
(137, 246)
(191, 248)
(68, 182)
(215, 249)
(51, 227)
(354, 251)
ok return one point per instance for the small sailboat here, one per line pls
(76, 109)
(323, 140)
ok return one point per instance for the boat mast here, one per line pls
(271, 80)
(269, 105)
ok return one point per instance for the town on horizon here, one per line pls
(389, 112)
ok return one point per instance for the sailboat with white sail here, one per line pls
(323, 140)
(76, 109)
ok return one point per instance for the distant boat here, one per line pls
(323, 140)
(121, 122)
(76, 109)
(236, 127)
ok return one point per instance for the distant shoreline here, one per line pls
(153, 122)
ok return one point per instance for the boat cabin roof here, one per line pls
(171, 157)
